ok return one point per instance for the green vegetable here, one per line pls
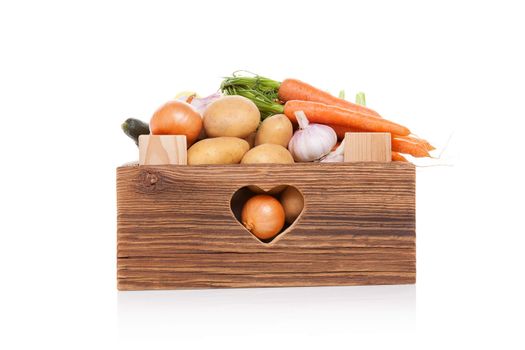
(134, 128)
(360, 99)
(262, 91)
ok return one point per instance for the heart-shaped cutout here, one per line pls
(267, 215)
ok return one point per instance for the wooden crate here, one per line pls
(176, 228)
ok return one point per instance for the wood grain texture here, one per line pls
(162, 150)
(175, 228)
(367, 147)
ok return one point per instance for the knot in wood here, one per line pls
(149, 181)
(152, 179)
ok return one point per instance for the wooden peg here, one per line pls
(367, 147)
(162, 149)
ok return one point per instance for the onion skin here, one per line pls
(263, 216)
(177, 118)
(293, 203)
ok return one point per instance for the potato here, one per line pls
(251, 139)
(276, 129)
(234, 116)
(267, 153)
(219, 150)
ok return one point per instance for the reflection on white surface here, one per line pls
(250, 311)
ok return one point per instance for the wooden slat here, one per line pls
(289, 279)
(176, 229)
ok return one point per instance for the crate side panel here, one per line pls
(176, 229)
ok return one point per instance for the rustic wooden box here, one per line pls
(176, 228)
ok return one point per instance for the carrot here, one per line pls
(266, 91)
(336, 145)
(319, 106)
(342, 130)
(398, 157)
(361, 100)
(427, 145)
(403, 145)
(424, 143)
(396, 146)
(293, 89)
(325, 114)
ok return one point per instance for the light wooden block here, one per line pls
(367, 147)
(162, 150)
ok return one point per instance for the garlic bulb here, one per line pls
(311, 141)
(336, 156)
(199, 103)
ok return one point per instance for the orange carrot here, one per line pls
(293, 89)
(342, 130)
(320, 107)
(326, 114)
(398, 157)
(264, 92)
(336, 145)
(427, 145)
(400, 144)
(424, 143)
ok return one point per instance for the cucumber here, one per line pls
(134, 128)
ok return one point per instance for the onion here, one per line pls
(293, 203)
(177, 118)
(263, 216)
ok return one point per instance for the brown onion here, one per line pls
(293, 203)
(263, 216)
(177, 118)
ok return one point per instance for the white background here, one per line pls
(71, 72)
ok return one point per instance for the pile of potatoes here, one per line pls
(234, 135)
